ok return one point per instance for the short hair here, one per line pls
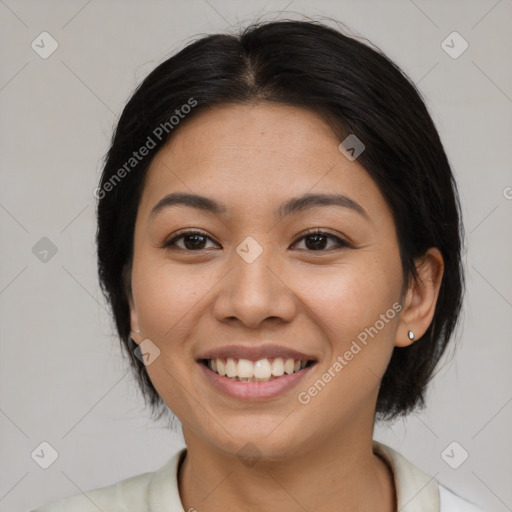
(358, 90)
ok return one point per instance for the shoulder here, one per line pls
(450, 502)
(114, 498)
(418, 491)
(134, 493)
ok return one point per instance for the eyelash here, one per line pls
(168, 244)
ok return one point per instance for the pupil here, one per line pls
(315, 245)
(193, 245)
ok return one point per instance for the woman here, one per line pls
(279, 238)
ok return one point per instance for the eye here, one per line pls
(318, 238)
(193, 240)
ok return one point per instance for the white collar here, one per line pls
(416, 491)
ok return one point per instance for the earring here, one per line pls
(411, 335)
(137, 331)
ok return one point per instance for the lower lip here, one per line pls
(254, 390)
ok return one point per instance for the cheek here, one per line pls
(344, 298)
(169, 300)
(168, 297)
(357, 311)
(349, 297)
(357, 308)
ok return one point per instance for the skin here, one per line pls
(252, 158)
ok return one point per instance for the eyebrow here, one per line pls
(289, 207)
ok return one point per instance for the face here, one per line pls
(296, 300)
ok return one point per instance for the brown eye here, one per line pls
(196, 240)
(317, 240)
(192, 241)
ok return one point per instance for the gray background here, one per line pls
(63, 379)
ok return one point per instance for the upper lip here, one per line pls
(255, 353)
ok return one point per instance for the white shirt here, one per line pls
(158, 491)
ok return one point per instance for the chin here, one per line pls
(259, 440)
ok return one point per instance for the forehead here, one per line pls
(254, 154)
(238, 129)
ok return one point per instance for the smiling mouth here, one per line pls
(263, 370)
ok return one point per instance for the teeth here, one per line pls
(288, 366)
(262, 369)
(245, 369)
(231, 368)
(258, 371)
(277, 367)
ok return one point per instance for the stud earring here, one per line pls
(411, 335)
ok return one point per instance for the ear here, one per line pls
(134, 321)
(421, 297)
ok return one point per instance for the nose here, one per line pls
(255, 292)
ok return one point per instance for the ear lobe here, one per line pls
(134, 325)
(421, 297)
(134, 321)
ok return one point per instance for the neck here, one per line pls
(341, 475)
